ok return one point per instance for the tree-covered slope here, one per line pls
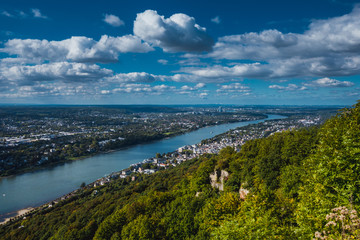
(288, 183)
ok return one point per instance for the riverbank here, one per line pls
(171, 159)
(41, 187)
(148, 140)
(13, 215)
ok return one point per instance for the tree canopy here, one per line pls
(293, 180)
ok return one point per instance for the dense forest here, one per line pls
(299, 184)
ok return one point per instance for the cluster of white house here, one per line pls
(14, 141)
(235, 138)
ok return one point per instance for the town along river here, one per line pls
(38, 187)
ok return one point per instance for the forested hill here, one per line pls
(291, 185)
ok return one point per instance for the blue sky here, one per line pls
(180, 52)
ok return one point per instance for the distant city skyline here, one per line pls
(180, 52)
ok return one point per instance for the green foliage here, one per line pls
(293, 179)
(217, 210)
(143, 227)
(332, 173)
(201, 181)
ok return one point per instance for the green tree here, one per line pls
(332, 173)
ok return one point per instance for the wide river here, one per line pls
(41, 186)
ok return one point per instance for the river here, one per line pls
(35, 188)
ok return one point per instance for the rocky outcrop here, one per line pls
(218, 178)
(243, 192)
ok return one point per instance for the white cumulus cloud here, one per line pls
(78, 49)
(339, 35)
(319, 83)
(113, 20)
(203, 95)
(234, 88)
(37, 14)
(289, 87)
(163, 61)
(143, 88)
(178, 33)
(330, 47)
(328, 82)
(132, 77)
(195, 88)
(60, 71)
(223, 73)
